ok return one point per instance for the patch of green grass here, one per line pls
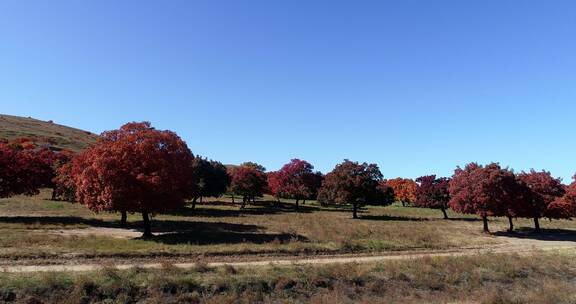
(55, 205)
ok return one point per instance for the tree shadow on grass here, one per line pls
(386, 217)
(174, 232)
(258, 208)
(543, 235)
(158, 225)
(213, 237)
(58, 220)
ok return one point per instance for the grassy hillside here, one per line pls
(45, 132)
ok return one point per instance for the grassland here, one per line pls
(36, 230)
(45, 132)
(538, 278)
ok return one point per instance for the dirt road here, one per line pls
(516, 245)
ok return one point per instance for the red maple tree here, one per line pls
(249, 181)
(24, 167)
(483, 190)
(433, 193)
(564, 207)
(295, 180)
(134, 169)
(543, 189)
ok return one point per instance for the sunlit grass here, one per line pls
(220, 228)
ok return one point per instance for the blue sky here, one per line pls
(417, 87)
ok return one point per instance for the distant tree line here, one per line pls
(139, 169)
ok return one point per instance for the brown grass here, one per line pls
(540, 278)
(28, 227)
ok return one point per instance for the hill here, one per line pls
(45, 133)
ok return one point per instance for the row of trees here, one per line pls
(138, 169)
(495, 191)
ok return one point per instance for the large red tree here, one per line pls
(483, 190)
(433, 193)
(134, 169)
(355, 184)
(543, 190)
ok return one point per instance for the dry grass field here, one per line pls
(538, 278)
(35, 230)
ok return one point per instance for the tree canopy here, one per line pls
(295, 180)
(209, 179)
(433, 193)
(404, 189)
(134, 169)
(483, 190)
(249, 181)
(543, 189)
(353, 183)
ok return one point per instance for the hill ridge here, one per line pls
(47, 133)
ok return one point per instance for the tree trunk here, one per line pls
(303, 202)
(403, 203)
(244, 198)
(53, 194)
(123, 219)
(445, 213)
(233, 202)
(147, 226)
(485, 221)
(511, 224)
(297, 204)
(201, 200)
(355, 211)
(536, 224)
(194, 203)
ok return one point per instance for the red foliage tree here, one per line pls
(433, 193)
(134, 169)
(64, 186)
(564, 207)
(24, 168)
(355, 184)
(404, 189)
(543, 190)
(11, 174)
(248, 181)
(275, 182)
(485, 191)
(295, 180)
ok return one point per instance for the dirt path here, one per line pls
(517, 245)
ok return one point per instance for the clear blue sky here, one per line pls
(415, 86)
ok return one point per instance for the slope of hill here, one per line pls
(45, 133)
